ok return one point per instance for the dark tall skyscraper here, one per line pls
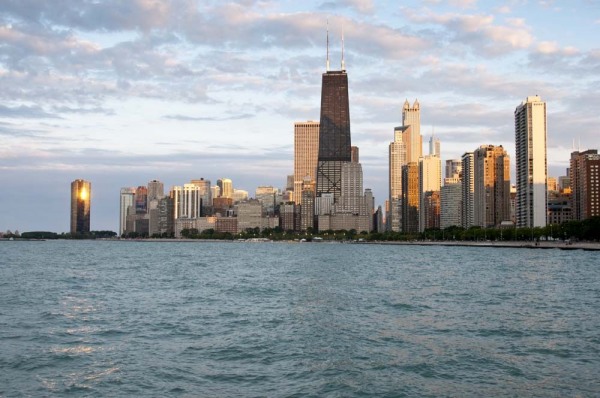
(81, 192)
(334, 133)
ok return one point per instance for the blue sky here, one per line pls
(120, 93)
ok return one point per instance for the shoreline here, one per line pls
(589, 246)
(560, 245)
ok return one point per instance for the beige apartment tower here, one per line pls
(491, 186)
(306, 153)
(585, 183)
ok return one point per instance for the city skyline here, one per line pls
(119, 101)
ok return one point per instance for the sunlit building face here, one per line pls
(81, 191)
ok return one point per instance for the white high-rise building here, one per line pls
(187, 201)
(531, 163)
(127, 201)
(397, 159)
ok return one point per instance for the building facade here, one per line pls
(126, 202)
(451, 199)
(334, 133)
(531, 163)
(430, 181)
(453, 168)
(225, 188)
(250, 215)
(410, 198)
(468, 190)
(306, 154)
(205, 194)
(81, 199)
(585, 184)
(411, 116)
(491, 186)
(397, 159)
(187, 201)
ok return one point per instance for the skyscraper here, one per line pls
(352, 197)
(453, 168)
(434, 146)
(306, 154)
(585, 184)
(411, 116)
(532, 172)
(81, 193)
(205, 193)
(430, 182)
(156, 190)
(187, 201)
(141, 200)
(354, 154)
(307, 208)
(468, 190)
(450, 203)
(226, 187)
(410, 197)
(397, 159)
(491, 186)
(334, 132)
(126, 203)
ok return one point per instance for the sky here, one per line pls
(123, 92)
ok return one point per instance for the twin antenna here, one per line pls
(343, 62)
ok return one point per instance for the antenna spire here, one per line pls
(327, 44)
(343, 63)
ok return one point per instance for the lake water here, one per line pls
(312, 319)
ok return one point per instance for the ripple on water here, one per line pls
(217, 319)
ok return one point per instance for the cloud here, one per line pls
(25, 111)
(84, 111)
(208, 118)
(360, 6)
(479, 32)
(502, 10)
(16, 131)
(463, 3)
(115, 15)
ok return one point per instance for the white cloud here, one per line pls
(480, 32)
(463, 3)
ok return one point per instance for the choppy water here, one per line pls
(277, 319)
